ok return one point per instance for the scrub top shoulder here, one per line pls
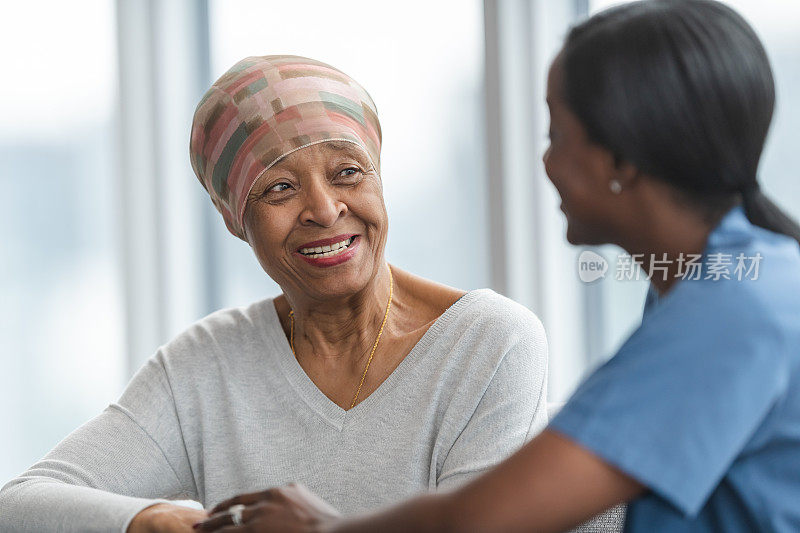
(702, 403)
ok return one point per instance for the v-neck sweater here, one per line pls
(225, 408)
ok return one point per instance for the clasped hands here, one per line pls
(289, 509)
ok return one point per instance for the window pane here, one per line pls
(61, 348)
(425, 75)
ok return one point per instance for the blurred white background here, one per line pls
(110, 246)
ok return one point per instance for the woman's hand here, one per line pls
(289, 509)
(166, 518)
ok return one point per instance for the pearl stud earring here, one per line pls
(615, 186)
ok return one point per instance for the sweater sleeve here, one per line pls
(129, 457)
(512, 409)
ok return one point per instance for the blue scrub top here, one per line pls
(702, 403)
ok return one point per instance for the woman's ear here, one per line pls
(625, 172)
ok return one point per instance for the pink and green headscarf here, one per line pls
(267, 107)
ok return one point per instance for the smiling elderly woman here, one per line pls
(361, 381)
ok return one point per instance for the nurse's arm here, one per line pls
(551, 484)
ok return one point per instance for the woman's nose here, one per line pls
(321, 206)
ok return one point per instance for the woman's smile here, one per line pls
(329, 252)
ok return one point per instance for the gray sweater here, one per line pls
(225, 408)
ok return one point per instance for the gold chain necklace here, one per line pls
(374, 346)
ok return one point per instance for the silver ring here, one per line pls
(236, 514)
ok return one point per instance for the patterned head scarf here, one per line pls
(267, 107)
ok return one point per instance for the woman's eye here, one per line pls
(278, 187)
(349, 174)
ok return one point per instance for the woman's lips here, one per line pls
(333, 260)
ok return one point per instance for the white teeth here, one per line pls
(327, 251)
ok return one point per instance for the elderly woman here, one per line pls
(361, 381)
